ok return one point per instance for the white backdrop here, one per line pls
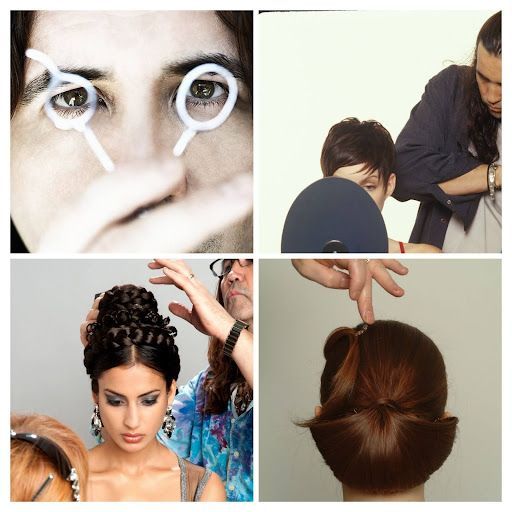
(316, 68)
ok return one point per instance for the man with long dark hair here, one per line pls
(449, 153)
(214, 410)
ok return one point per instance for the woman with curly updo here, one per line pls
(133, 363)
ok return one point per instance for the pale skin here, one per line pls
(58, 184)
(132, 401)
(488, 78)
(356, 276)
(379, 192)
(206, 314)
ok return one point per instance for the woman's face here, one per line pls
(136, 62)
(132, 401)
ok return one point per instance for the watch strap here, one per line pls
(233, 336)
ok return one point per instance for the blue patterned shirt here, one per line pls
(220, 442)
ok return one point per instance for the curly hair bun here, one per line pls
(128, 317)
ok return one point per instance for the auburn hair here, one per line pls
(30, 466)
(382, 427)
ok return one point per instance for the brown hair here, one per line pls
(382, 428)
(352, 142)
(30, 466)
(222, 375)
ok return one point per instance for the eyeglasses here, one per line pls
(58, 458)
(222, 267)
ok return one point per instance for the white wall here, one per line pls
(316, 68)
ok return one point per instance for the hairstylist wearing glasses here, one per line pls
(213, 411)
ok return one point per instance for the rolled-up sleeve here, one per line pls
(431, 148)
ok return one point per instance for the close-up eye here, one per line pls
(149, 401)
(205, 91)
(74, 102)
(116, 402)
(369, 188)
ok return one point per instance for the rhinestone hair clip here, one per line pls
(57, 456)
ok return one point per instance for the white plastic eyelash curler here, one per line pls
(78, 123)
(194, 126)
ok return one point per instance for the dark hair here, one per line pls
(223, 374)
(239, 23)
(129, 330)
(383, 392)
(352, 142)
(482, 126)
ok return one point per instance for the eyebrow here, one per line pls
(40, 83)
(483, 77)
(176, 68)
(122, 396)
(182, 67)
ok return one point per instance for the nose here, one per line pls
(141, 130)
(236, 273)
(131, 418)
(493, 94)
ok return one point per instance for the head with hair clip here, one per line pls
(48, 460)
(133, 363)
(382, 426)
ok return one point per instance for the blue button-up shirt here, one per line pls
(221, 442)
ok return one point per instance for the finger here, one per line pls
(177, 265)
(181, 311)
(83, 333)
(364, 302)
(154, 265)
(318, 272)
(160, 280)
(92, 315)
(185, 283)
(358, 276)
(111, 198)
(382, 276)
(183, 225)
(396, 266)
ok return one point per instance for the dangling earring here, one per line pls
(96, 424)
(169, 422)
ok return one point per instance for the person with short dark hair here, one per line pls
(363, 152)
(449, 153)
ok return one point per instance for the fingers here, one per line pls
(358, 277)
(396, 266)
(380, 273)
(180, 310)
(182, 225)
(111, 198)
(321, 272)
(83, 333)
(364, 302)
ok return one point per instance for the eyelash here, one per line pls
(70, 111)
(116, 402)
(192, 102)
